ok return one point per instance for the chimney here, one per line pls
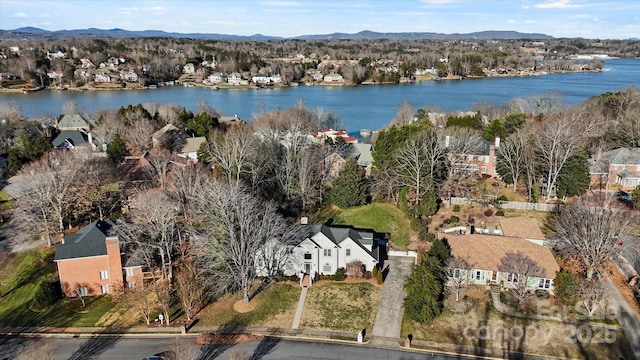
(598, 153)
(304, 220)
(90, 139)
(497, 142)
(446, 141)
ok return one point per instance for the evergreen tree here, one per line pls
(440, 250)
(117, 150)
(425, 290)
(574, 177)
(350, 188)
(635, 198)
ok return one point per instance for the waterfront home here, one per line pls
(480, 159)
(333, 78)
(360, 152)
(190, 149)
(72, 122)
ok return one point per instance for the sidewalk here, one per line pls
(626, 317)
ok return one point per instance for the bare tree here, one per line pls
(459, 274)
(138, 136)
(556, 141)
(520, 269)
(138, 299)
(355, 269)
(233, 151)
(592, 295)
(170, 114)
(184, 184)
(153, 224)
(594, 236)
(511, 156)
(164, 294)
(189, 289)
(404, 115)
(160, 162)
(239, 226)
(47, 197)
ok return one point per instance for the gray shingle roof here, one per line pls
(361, 152)
(626, 156)
(338, 234)
(72, 121)
(75, 137)
(88, 241)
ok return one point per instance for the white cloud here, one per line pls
(511, 21)
(154, 10)
(20, 15)
(557, 4)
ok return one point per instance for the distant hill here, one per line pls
(363, 35)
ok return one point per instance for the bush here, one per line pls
(379, 278)
(488, 212)
(499, 213)
(374, 271)
(340, 275)
(454, 219)
(503, 198)
(356, 269)
(456, 208)
(48, 292)
(368, 275)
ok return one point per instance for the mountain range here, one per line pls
(363, 35)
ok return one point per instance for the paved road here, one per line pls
(626, 317)
(270, 348)
(391, 308)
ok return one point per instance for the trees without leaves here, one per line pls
(594, 236)
(238, 226)
(459, 274)
(521, 269)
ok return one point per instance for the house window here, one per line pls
(289, 266)
(104, 288)
(478, 274)
(104, 274)
(327, 252)
(82, 291)
(307, 256)
(326, 268)
(348, 251)
(131, 285)
(483, 169)
(456, 273)
(545, 284)
(512, 277)
(129, 271)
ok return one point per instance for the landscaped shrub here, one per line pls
(503, 198)
(374, 271)
(488, 212)
(456, 208)
(48, 292)
(340, 275)
(379, 278)
(356, 269)
(499, 213)
(454, 219)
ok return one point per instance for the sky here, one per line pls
(596, 19)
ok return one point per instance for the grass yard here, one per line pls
(6, 202)
(19, 281)
(348, 307)
(474, 322)
(274, 307)
(381, 217)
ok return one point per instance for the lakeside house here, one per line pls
(618, 168)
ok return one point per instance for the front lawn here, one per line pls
(475, 323)
(20, 280)
(381, 217)
(339, 306)
(274, 307)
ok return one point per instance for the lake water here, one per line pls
(367, 106)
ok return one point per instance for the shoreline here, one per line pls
(421, 78)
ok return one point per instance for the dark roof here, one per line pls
(88, 241)
(75, 137)
(338, 234)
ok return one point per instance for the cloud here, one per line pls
(20, 15)
(557, 4)
(511, 21)
(154, 10)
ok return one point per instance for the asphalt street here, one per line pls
(115, 348)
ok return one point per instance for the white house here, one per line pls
(129, 76)
(324, 249)
(333, 78)
(217, 78)
(103, 77)
(188, 69)
(260, 79)
(236, 79)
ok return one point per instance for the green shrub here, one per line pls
(340, 275)
(48, 292)
(503, 198)
(374, 271)
(379, 278)
(456, 208)
(499, 213)
(454, 219)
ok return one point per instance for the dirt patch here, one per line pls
(226, 339)
(242, 308)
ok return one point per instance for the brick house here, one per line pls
(90, 263)
(619, 168)
(481, 159)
